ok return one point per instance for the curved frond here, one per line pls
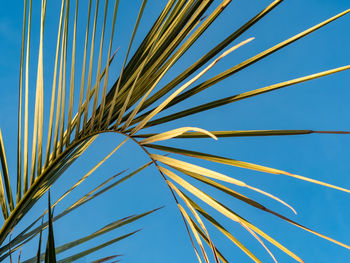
(89, 98)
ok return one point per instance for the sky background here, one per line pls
(321, 104)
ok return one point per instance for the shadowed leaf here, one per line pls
(50, 254)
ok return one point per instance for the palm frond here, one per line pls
(112, 226)
(137, 100)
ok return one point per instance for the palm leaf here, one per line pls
(178, 91)
(112, 226)
(210, 54)
(174, 133)
(26, 236)
(6, 173)
(217, 206)
(106, 259)
(246, 133)
(91, 250)
(135, 101)
(39, 249)
(50, 254)
(231, 99)
(212, 174)
(228, 161)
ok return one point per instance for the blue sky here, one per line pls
(320, 104)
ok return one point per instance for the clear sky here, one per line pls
(321, 104)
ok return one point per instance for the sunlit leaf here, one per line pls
(174, 133)
(177, 164)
